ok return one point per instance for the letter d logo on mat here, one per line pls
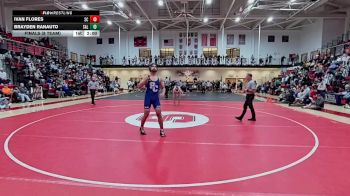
(172, 120)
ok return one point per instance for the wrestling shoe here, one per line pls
(142, 131)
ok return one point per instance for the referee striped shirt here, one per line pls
(93, 85)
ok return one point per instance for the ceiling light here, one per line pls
(109, 22)
(291, 2)
(208, 2)
(237, 19)
(270, 19)
(160, 3)
(138, 21)
(120, 4)
(205, 19)
(250, 1)
(84, 6)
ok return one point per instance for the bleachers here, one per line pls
(30, 49)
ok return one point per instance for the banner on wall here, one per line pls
(168, 42)
(140, 41)
(204, 39)
(241, 40)
(212, 39)
(230, 39)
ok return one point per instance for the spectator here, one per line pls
(312, 97)
(66, 89)
(322, 88)
(115, 86)
(303, 95)
(3, 76)
(318, 104)
(347, 96)
(37, 92)
(130, 84)
(46, 88)
(23, 93)
(282, 60)
(4, 102)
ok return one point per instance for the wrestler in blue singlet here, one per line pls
(152, 94)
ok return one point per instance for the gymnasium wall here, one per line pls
(259, 74)
(332, 28)
(311, 38)
(277, 48)
(315, 35)
(308, 39)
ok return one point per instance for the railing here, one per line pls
(193, 62)
(336, 47)
(34, 50)
(344, 38)
(193, 65)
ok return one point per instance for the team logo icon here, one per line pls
(172, 120)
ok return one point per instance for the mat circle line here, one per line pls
(34, 169)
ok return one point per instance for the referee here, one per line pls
(250, 92)
(93, 86)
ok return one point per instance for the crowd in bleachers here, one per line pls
(44, 42)
(195, 85)
(44, 75)
(309, 84)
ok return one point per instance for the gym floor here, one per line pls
(82, 149)
(192, 96)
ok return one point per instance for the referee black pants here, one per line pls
(248, 103)
(92, 93)
(167, 88)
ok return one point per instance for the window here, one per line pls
(110, 40)
(74, 56)
(82, 59)
(271, 38)
(233, 52)
(145, 52)
(99, 40)
(210, 52)
(241, 40)
(285, 38)
(166, 52)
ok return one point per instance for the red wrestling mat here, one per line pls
(97, 150)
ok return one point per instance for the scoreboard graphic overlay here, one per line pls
(56, 23)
